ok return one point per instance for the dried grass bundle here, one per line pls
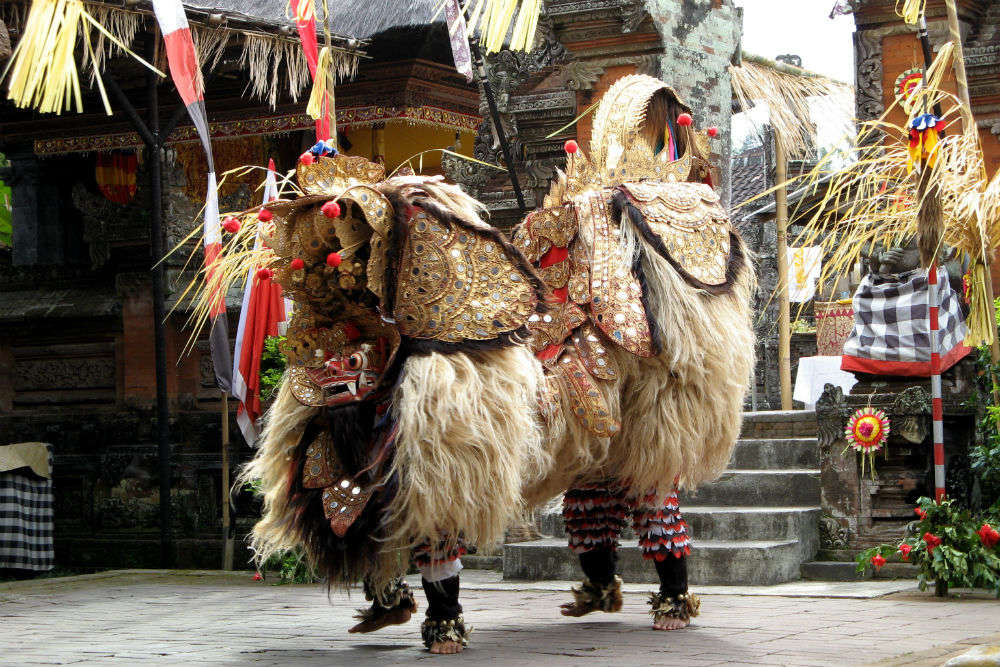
(787, 93)
(876, 201)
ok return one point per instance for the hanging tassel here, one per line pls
(317, 99)
(911, 10)
(980, 322)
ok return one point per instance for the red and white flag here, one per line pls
(186, 75)
(263, 309)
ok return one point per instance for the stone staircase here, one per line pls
(755, 525)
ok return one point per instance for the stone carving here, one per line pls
(581, 75)
(909, 414)
(49, 374)
(505, 71)
(633, 13)
(105, 222)
(831, 415)
(868, 75)
(832, 535)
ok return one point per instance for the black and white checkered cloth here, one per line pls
(26, 520)
(891, 322)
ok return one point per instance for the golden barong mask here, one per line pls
(369, 261)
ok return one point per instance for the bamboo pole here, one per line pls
(962, 85)
(784, 318)
(227, 540)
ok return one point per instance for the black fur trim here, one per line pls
(423, 346)
(734, 266)
(654, 325)
(351, 426)
(340, 561)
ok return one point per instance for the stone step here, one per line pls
(712, 563)
(779, 424)
(762, 488)
(775, 454)
(724, 523)
(819, 570)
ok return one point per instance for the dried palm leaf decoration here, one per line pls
(43, 72)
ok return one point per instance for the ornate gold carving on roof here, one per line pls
(458, 284)
(692, 225)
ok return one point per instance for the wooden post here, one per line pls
(962, 85)
(784, 318)
(227, 540)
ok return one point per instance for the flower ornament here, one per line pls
(866, 433)
(988, 535)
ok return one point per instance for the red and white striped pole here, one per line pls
(937, 409)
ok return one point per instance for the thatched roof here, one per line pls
(364, 20)
(263, 40)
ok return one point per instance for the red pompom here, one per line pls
(684, 119)
(297, 264)
(331, 209)
(264, 215)
(713, 131)
(231, 225)
(333, 259)
(571, 147)
(306, 158)
(264, 274)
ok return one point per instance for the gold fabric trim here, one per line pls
(331, 175)
(616, 302)
(555, 326)
(457, 284)
(320, 469)
(692, 225)
(586, 400)
(593, 353)
(343, 503)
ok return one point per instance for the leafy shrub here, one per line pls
(949, 546)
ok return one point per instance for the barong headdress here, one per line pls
(375, 263)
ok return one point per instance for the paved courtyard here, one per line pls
(142, 617)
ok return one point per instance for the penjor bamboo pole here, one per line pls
(227, 540)
(962, 85)
(784, 317)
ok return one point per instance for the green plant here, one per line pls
(291, 568)
(802, 326)
(272, 366)
(948, 545)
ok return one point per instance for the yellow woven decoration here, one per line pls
(320, 82)
(496, 17)
(911, 10)
(43, 73)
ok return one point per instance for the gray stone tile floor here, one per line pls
(181, 618)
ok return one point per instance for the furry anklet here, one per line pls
(590, 597)
(393, 608)
(684, 606)
(451, 630)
